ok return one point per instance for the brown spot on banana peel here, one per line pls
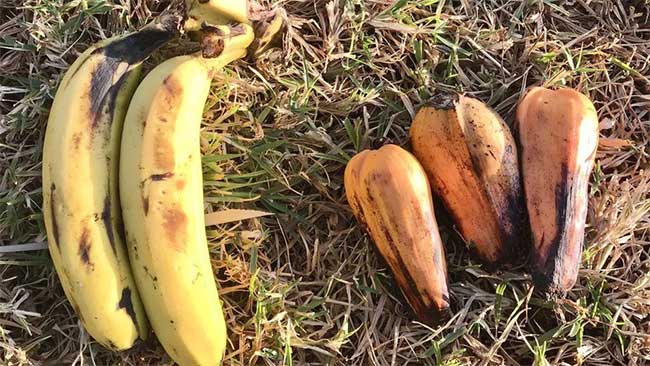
(174, 224)
(126, 303)
(423, 304)
(546, 263)
(211, 46)
(180, 184)
(163, 153)
(103, 93)
(556, 268)
(495, 162)
(163, 150)
(76, 140)
(172, 87)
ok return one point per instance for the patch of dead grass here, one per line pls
(305, 286)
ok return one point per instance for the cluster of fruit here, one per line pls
(122, 152)
(465, 153)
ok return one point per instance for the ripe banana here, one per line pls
(214, 12)
(161, 187)
(558, 134)
(390, 196)
(80, 199)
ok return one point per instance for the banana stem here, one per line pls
(217, 63)
(225, 44)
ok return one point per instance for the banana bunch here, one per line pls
(161, 190)
(123, 190)
(80, 184)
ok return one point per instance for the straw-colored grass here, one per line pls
(305, 287)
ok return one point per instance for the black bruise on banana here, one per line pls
(154, 279)
(145, 204)
(108, 223)
(212, 46)
(128, 50)
(55, 225)
(126, 304)
(153, 178)
(84, 249)
(159, 177)
(101, 88)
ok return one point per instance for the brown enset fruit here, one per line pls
(471, 160)
(558, 135)
(390, 197)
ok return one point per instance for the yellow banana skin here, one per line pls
(80, 199)
(214, 12)
(161, 189)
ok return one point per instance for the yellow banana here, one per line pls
(80, 198)
(161, 189)
(215, 12)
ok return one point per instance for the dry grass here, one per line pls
(304, 286)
